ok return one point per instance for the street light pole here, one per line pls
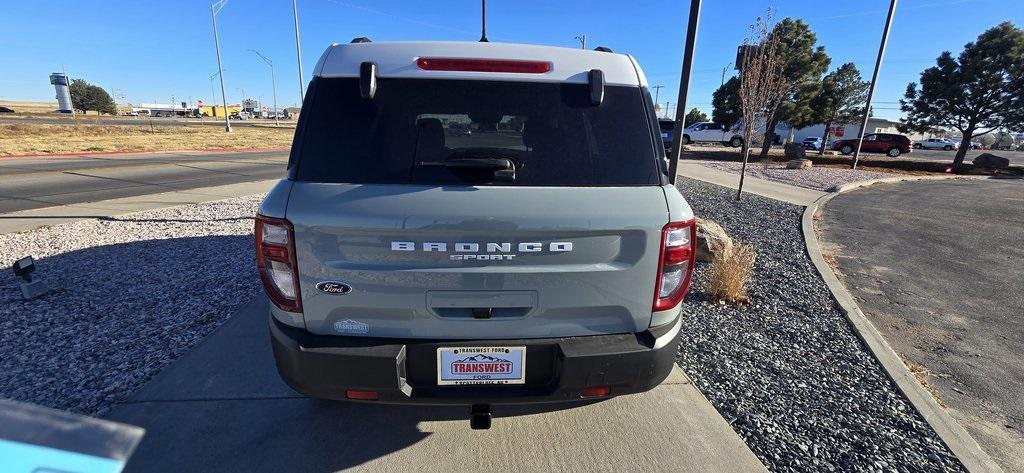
(273, 83)
(684, 86)
(874, 79)
(583, 41)
(298, 51)
(214, 9)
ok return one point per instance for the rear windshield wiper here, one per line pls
(503, 169)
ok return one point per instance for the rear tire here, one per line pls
(686, 139)
(736, 142)
(846, 149)
(947, 148)
(917, 146)
(893, 152)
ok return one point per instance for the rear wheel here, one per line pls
(947, 148)
(736, 142)
(846, 149)
(686, 139)
(917, 145)
(893, 152)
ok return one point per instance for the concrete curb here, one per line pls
(952, 433)
(870, 182)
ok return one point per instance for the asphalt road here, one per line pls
(136, 121)
(936, 267)
(30, 183)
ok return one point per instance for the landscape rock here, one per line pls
(711, 238)
(991, 161)
(799, 164)
(795, 151)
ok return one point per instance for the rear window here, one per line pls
(413, 129)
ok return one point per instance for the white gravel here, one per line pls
(817, 178)
(136, 292)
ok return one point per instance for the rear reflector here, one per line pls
(482, 65)
(595, 391)
(362, 395)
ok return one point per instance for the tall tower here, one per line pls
(60, 83)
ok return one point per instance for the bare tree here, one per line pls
(762, 85)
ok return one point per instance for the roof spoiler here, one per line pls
(596, 86)
(367, 80)
(361, 39)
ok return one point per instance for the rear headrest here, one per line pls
(429, 138)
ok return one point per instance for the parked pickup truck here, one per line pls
(541, 257)
(708, 132)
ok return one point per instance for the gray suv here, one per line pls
(475, 223)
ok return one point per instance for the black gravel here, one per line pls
(788, 372)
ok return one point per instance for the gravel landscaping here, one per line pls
(818, 178)
(135, 292)
(787, 371)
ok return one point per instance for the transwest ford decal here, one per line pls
(482, 251)
(481, 364)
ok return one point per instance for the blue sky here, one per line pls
(153, 50)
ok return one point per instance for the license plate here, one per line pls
(481, 365)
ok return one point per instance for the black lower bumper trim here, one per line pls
(404, 371)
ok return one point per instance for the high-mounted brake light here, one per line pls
(675, 266)
(482, 65)
(275, 258)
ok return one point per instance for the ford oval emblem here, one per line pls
(333, 287)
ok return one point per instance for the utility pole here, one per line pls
(684, 86)
(298, 51)
(214, 9)
(724, 70)
(583, 41)
(668, 105)
(657, 91)
(273, 83)
(874, 80)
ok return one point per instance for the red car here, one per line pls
(890, 144)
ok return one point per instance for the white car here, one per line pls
(937, 143)
(708, 132)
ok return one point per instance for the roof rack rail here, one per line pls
(361, 39)
(603, 49)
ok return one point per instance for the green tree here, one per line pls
(977, 92)
(86, 97)
(840, 100)
(726, 107)
(803, 64)
(695, 116)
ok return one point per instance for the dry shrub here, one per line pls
(730, 273)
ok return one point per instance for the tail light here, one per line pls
(482, 65)
(675, 267)
(275, 258)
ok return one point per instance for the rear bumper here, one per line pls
(404, 371)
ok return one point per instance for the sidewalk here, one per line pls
(29, 219)
(223, 407)
(784, 192)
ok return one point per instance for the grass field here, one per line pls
(22, 107)
(23, 139)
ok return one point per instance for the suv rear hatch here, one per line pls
(476, 209)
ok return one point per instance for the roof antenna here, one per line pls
(483, 21)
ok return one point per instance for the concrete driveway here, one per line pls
(936, 266)
(223, 408)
